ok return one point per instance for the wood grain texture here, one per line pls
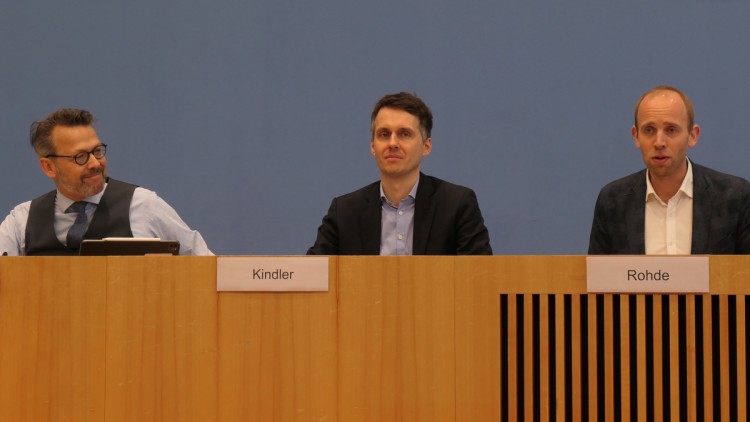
(161, 338)
(52, 336)
(395, 338)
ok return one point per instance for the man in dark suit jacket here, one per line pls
(693, 209)
(721, 215)
(406, 212)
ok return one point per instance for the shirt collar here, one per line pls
(686, 187)
(63, 202)
(412, 193)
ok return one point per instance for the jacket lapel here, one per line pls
(635, 215)
(424, 210)
(370, 221)
(703, 198)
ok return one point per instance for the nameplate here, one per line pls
(647, 274)
(271, 274)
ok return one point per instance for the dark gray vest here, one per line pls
(111, 219)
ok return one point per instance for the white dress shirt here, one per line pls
(669, 226)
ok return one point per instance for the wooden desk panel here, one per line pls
(278, 355)
(395, 338)
(52, 330)
(162, 327)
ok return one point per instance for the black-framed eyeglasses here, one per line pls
(83, 157)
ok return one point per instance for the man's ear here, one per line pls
(427, 147)
(47, 167)
(634, 133)
(695, 133)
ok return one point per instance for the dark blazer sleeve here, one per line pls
(619, 217)
(473, 237)
(599, 242)
(352, 224)
(743, 240)
(327, 242)
(721, 213)
(447, 220)
(743, 226)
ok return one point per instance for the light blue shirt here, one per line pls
(397, 224)
(150, 217)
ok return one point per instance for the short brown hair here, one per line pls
(409, 103)
(685, 100)
(41, 130)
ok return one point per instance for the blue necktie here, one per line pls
(76, 232)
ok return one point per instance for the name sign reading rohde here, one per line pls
(647, 274)
(271, 274)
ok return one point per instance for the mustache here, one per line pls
(93, 173)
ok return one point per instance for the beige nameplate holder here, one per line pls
(647, 274)
(271, 274)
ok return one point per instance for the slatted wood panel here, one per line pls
(633, 368)
(625, 357)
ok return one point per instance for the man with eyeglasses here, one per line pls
(86, 204)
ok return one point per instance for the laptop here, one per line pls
(129, 246)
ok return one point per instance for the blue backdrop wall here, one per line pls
(250, 116)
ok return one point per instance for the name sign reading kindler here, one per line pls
(271, 274)
(647, 274)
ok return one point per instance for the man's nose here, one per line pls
(660, 140)
(94, 162)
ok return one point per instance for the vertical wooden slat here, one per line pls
(608, 399)
(528, 361)
(659, 399)
(575, 312)
(691, 359)
(544, 348)
(560, 356)
(674, 357)
(741, 363)
(594, 398)
(724, 358)
(505, 342)
(512, 359)
(708, 380)
(641, 374)
(625, 360)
